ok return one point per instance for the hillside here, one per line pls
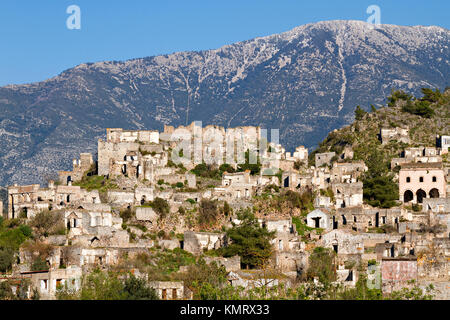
(363, 134)
(306, 82)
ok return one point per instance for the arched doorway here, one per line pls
(434, 193)
(408, 196)
(421, 195)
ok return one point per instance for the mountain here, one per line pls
(306, 82)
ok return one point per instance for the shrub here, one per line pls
(126, 214)
(161, 207)
(249, 240)
(39, 264)
(321, 265)
(46, 222)
(6, 259)
(207, 212)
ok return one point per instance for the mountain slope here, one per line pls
(306, 82)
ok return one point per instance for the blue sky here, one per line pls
(35, 43)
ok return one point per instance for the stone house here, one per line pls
(324, 158)
(396, 273)
(80, 167)
(168, 290)
(347, 172)
(196, 242)
(348, 194)
(443, 142)
(47, 282)
(230, 264)
(436, 205)
(418, 181)
(319, 218)
(31, 199)
(343, 242)
(399, 134)
(285, 233)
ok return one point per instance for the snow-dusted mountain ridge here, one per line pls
(306, 82)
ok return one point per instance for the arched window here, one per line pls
(434, 193)
(420, 195)
(408, 196)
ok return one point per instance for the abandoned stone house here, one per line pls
(418, 155)
(300, 154)
(348, 194)
(436, 205)
(324, 158)
(397, 273)
(230, 264)
(347, 172)
(344, 242)
(418, 181)
(443, 142)
(197, 242)
(314, 178)
(80, 167)
(319, 218)
(285, 233)
(394, 250)
(239, 184)
(47, 282)
(168, 290)
(398, 134)
(29, 200)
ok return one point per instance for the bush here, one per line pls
(6, 259)
(39, 265)
(109, 286)
(46, 222)
(419, 107)
(359, 113)
(321, 265)
(126, 214)
(207, 212)
(6, 292)
(380, 192)
(207, 171)
(249, 240)
(161, 207)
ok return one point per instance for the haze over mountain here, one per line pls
(306, 82)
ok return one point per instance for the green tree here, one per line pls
(205, 279)
(161, 206)
(254, 168)
(6, 259)
(381, 191)
(6, 292)
(138, 289)
(322, 266)
(359, 113)
(249, 240)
